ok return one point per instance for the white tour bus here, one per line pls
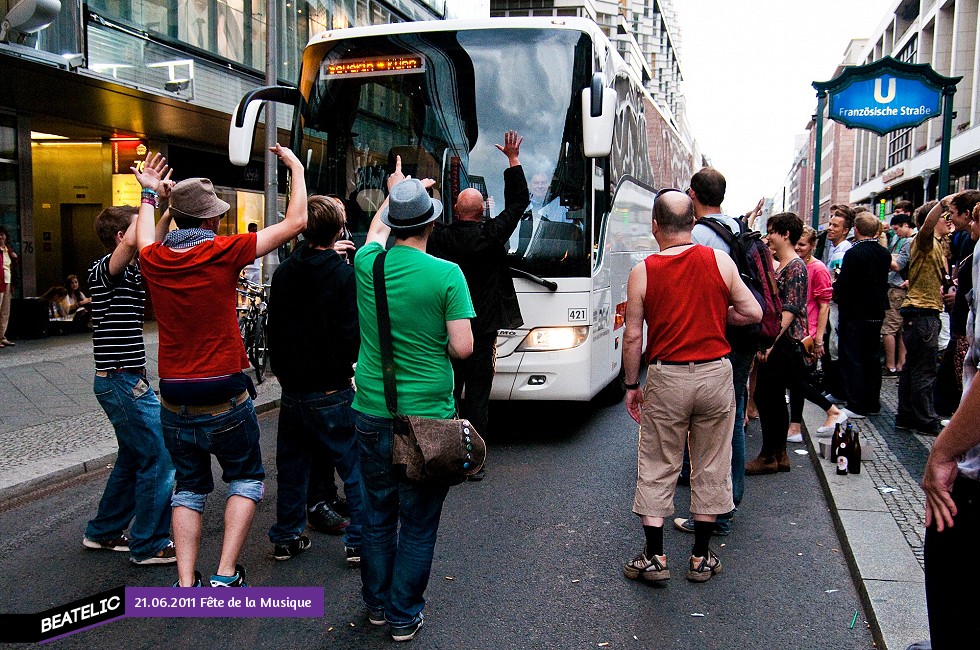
(440, 95)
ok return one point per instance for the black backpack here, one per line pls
(755, 266)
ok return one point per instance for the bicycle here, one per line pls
(252, 318)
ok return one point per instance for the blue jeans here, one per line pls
(395, 562)
(142, 479)
(310, 425)
(233, 438)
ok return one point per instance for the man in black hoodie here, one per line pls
(480, 249)
(313, 342)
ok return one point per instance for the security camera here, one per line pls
(28, 17)
(177, 85)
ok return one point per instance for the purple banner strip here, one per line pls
(250, 602)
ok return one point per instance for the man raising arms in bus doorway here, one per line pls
(688, 394)
(480, 249)
(192, 277)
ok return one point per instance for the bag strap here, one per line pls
(384, 334)
(721, 230)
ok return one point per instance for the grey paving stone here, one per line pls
(900, 608)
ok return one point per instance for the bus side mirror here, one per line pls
(242, 130)
(598, 118)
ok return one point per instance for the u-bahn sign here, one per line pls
(882, 97)
(886, 95)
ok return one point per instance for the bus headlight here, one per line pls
(543, 339)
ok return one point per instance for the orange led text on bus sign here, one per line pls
(374, 67)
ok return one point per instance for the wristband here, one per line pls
(147, 190)
(632, 386)
(149, 200)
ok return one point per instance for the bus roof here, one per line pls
(570, 23)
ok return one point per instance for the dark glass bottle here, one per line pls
(854, 458)
(835, 443)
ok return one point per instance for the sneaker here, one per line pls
(901, 425)
(166, 555)
(353, 556)
(327, 520)
(652, 569)
(237, 580)
(376, 617)
(291, 548)
(407, 632)
(120, 543)
(853, 415)
(796, 437)
(198, 581)
(687, 525)
(702, 568)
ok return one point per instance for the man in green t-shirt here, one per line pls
(429, 307)
(920, 330)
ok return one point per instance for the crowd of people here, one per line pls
(443, 352)
(843, 296)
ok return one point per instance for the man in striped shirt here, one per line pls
(142, 479)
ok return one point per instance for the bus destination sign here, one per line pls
(373, 67)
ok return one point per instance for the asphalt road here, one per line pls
(529, 558)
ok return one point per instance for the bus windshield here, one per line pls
(441, 101)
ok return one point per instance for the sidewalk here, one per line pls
(880, 518)
(51, 426)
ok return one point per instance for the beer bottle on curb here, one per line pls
(854, 458)
(835, 443)
(842, 451)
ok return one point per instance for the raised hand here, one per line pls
(287, 157)
(154, 173)
(396, 176)
(512, 146)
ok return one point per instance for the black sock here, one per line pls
(702, 535)
(655, 540)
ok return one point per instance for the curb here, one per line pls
(889, 579)
(80, 468)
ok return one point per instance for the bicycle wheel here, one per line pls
(258, 350)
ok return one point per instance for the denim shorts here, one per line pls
(231, 437)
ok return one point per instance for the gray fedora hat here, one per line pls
(195, 198)
(409, 206)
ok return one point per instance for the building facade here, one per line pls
(904, 164)
(85, 98)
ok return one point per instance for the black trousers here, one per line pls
(783, 370)
(951, 574)
(473, 379)
(916, 382)
(860, 365)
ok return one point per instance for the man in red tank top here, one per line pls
(688, 395)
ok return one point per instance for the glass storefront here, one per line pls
(9, 173)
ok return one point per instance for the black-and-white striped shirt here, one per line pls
(117, 316)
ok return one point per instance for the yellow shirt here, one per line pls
(926, 271)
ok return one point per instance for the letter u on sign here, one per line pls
(885, 99)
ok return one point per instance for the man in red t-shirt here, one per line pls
(192, 275)
(689, 393)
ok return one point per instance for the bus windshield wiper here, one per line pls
(547, 284)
